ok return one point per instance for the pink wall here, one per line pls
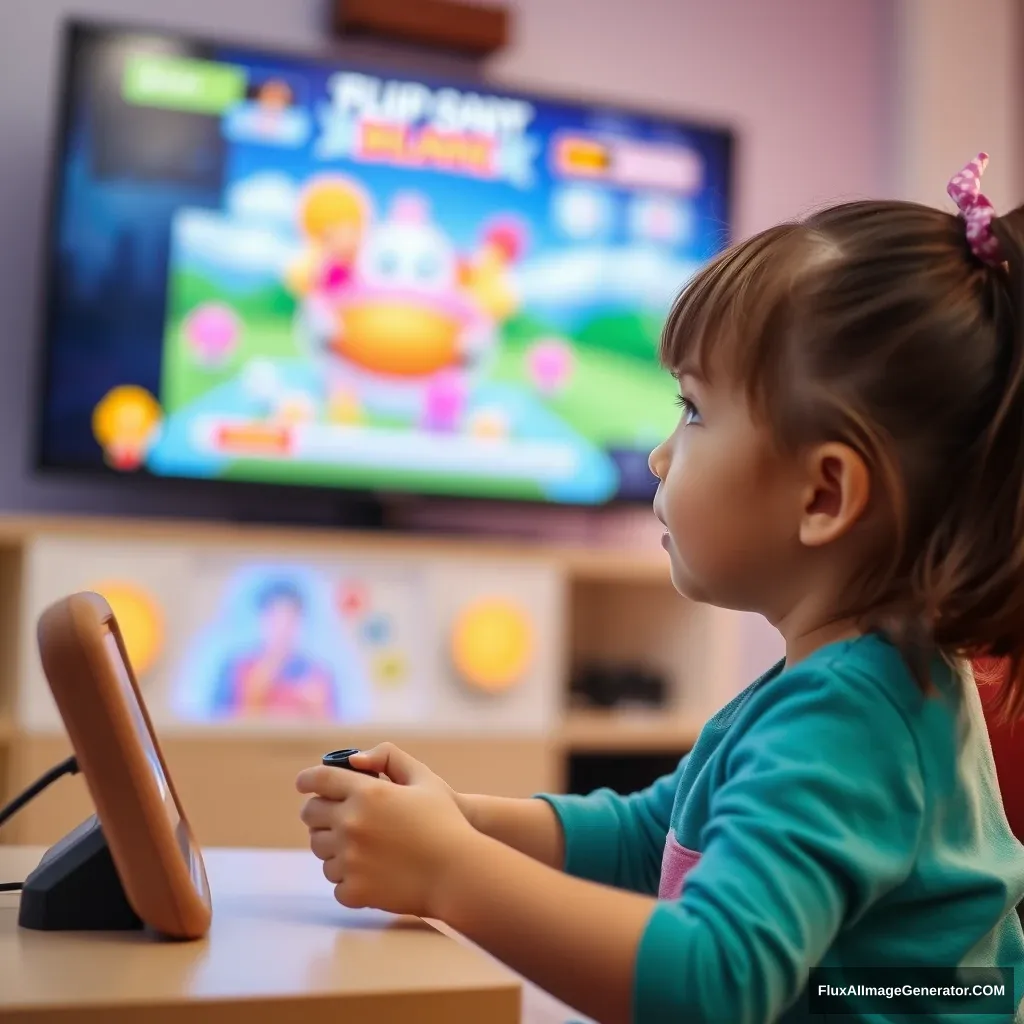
(942, 124)
(806, 83)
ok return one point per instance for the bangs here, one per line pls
(732, 316)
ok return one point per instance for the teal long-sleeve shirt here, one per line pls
(831, 815)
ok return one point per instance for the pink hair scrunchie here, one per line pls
(977, 212)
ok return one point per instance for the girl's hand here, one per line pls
(398, 766)
(385, 845)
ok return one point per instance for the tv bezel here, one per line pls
(360, 505)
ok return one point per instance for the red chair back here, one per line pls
(1007, 747)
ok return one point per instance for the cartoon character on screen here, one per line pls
(276, 677)
(334, 213)
(486, 274)
(408, 340)
(126, 424)
(272, 102)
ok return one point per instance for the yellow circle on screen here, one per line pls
(492, 643)
(140, 619)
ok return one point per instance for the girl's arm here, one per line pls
(576, 939)
(608, 838)
(529, 826)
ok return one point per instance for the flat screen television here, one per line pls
(292, 270)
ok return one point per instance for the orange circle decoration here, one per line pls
(140, 619)
(492, 644)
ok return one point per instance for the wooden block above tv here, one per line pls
(452, 25)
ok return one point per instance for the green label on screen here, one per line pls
(178, 83)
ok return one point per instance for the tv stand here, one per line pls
(316, 510)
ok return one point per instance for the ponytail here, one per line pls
(969, 580)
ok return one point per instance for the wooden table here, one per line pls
(280, 950)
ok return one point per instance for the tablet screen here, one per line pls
(155, 763)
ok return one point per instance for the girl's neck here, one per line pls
(805, 634)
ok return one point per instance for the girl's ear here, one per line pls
(837, 491)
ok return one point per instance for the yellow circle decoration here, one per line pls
(389, 669)
(492, 643)
(140, 619)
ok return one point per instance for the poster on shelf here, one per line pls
(245, 639)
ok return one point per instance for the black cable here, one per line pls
(69, 766)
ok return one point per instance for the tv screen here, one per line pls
(281, 269)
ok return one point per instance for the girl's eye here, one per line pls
(690, 413)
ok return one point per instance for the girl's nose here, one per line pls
(658, 460)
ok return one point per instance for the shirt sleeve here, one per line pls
(817, 814)
(618, 840)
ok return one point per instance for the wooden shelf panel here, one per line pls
(242, 792)
(579, 726)
(613, 731)
(616, 566)
(582, 730)
(611, 564)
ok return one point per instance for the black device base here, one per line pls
(76, 887)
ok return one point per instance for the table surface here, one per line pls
(278, 936)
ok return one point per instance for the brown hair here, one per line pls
(872, 323)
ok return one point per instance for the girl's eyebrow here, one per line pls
(691, 371)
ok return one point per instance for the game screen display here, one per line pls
(145, 737)
(142, 730)
(279, 269)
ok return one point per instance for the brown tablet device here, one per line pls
(152, 847)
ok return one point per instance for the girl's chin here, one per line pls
(684, 583)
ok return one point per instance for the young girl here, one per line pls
(849, 462)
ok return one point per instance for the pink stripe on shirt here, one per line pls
(676, 862)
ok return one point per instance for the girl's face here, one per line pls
(729, 502)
